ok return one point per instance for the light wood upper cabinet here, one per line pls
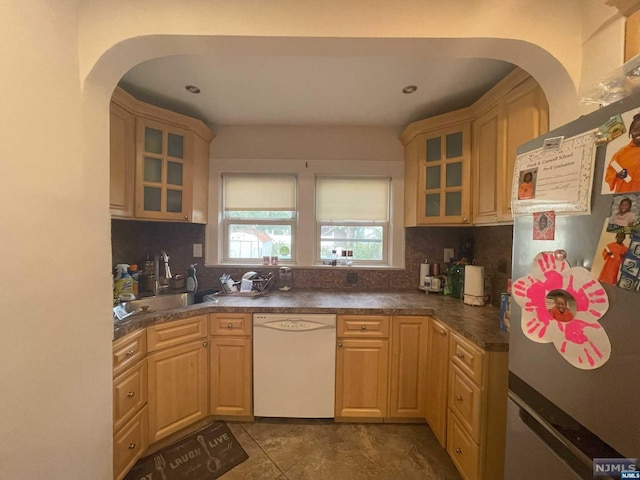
(121, 154)
(459, 165)
(438, 170)
(159, 162)
(487, 160)
(526, 117)
(510, 114)
(164, 176)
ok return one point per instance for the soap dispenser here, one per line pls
(192, 281)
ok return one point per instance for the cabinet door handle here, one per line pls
(340, 344)
(229, 325)
(458, 450)
(459, 398)
(132, 446)
(205, 344)
(465, 220)
(460, 355)
(130, 394)
(443, 333)
(186, 217)
(363, 327)
(129, 353)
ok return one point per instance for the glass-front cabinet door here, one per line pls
(162, 171)
(444, 182)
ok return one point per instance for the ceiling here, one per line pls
(312, 90)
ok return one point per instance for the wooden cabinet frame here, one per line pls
(128, 118)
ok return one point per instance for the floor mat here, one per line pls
(204, 455)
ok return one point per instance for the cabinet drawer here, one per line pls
(363, 326)
(129, 394)
(129, 443)
(465, 400)
(468, 357)
(128, 350)
(230, 324)
(462, 449)
(174, 333)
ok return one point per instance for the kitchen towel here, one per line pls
(205, 455)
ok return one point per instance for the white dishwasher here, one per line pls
(294, 365)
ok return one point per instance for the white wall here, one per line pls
(55, 329)
(307, 143)
(60, 61)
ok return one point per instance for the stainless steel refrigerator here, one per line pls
(559, 417)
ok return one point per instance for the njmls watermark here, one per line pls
(618, 468)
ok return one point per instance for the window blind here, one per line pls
(352, 199)
(259, 192)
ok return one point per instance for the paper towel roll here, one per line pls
(424, 271)
(474, 285)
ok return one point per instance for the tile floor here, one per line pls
(296, 449)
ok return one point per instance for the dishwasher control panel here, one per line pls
(293, 322)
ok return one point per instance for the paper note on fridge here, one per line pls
(561, 178)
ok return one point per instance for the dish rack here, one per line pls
(260, 285)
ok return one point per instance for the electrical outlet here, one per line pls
(197, 250)
(448, 255)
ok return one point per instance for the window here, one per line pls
(352, 213)
(276, 207)
(259, 217)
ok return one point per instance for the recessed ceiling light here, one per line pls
(192, 89)
(409, 89)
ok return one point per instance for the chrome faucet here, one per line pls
(160, 284)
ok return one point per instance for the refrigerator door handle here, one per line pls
(575, 458)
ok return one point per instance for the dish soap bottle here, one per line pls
(192, 281)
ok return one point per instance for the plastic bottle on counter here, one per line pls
(133, 271)
(192, 281)
(123, 284)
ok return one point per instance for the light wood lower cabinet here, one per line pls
(178, 375)
(362, 367)
(361, 378)
(477, 400)
(130, 428)
(129, 444)
(231, 365)
(407, 374)
(437, 375)
(381, 367)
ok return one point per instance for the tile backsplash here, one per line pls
(134, 241)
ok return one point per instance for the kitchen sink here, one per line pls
(153, 304)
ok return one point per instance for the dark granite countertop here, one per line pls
(481, 325)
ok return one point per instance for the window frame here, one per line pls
(384, 261)
(306, 230)
(227, 221)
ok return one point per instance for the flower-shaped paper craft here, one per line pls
(582, 341)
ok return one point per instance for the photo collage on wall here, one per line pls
(617, 258)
